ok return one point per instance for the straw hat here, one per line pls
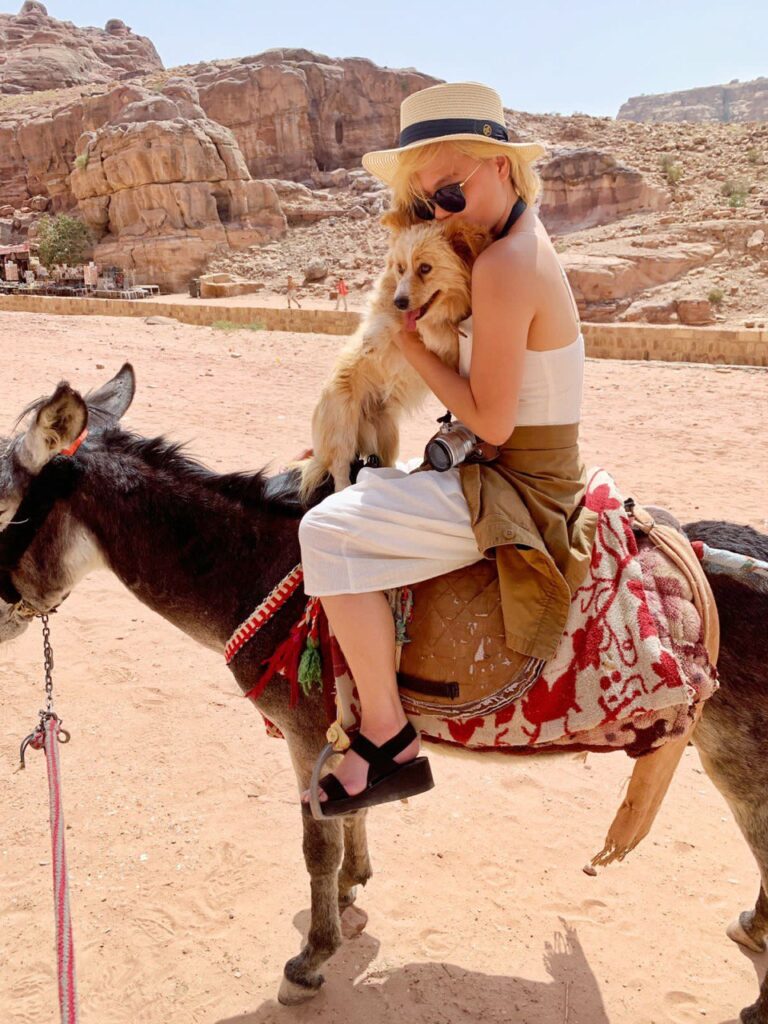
(447, 113)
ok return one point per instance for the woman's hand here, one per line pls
(408, 341)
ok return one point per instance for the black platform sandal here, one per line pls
(387, 780)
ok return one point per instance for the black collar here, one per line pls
(514, 214)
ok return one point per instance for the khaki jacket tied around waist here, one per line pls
(525, 512)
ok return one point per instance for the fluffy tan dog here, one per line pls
(425, 287)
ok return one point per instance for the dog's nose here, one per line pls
(401, 301)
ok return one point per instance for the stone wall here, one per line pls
(675, 344)
(668, 343)
(303, 321)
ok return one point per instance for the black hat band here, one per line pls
(453, 126)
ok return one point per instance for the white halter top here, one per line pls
(552, 382)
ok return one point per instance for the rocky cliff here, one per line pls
(38, 52)
(737, 101)
(252, 165)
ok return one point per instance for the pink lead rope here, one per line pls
(46, 737)
(65, 953)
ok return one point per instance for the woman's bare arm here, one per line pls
(503, 306)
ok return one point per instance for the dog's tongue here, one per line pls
(410, 319)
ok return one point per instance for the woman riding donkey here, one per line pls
(519, 386)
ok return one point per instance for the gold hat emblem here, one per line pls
(486, 129)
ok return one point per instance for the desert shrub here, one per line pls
(671, 170)
(62, 239)
(736, 191)
(230, 325)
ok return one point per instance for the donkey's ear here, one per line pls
(58, 422)
(467, 240)
(108, 403)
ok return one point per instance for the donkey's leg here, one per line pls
(732, 758)
(736, 770)
(323, 844)
(356, 866)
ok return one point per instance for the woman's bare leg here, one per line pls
(365, 629)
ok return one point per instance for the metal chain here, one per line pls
(48, 662)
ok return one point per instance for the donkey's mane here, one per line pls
(248, 490)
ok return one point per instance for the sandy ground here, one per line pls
(188, 886)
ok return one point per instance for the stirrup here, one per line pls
(387, 780)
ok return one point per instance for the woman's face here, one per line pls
(487, 192)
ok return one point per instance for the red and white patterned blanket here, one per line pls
(630, 666)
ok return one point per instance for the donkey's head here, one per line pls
(41, 550)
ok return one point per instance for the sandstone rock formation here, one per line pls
(162, 191)
(39, 52)
(172, 156)
(605, 282)
(586, 187)
(294, 112)
(226, 286)
(737, 101)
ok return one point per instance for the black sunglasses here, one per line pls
(448, 197)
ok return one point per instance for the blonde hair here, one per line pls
(405, 187)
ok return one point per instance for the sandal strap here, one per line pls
(332, 788)
(381, 758)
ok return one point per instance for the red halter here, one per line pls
(75, 444)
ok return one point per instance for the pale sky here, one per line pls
(542, 57)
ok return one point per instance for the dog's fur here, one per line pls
(428, 273)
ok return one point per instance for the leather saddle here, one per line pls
(456, 663)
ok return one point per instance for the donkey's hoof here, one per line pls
(347, 898)
(292, 994)
(738, 931)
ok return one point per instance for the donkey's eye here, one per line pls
(400, 268)
(425, 268)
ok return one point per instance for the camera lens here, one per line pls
(439, 455)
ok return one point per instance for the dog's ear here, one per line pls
(398, 219)
(467, 240)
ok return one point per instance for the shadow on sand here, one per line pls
(443, 992)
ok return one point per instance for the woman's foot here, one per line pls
(353, 771)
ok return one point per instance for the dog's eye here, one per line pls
(424, 268)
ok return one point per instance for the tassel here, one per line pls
(298, 657)
(401, 603)
(310, 666)
(284, 662)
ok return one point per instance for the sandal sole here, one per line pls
(412, 778)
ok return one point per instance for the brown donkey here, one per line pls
(203, 549)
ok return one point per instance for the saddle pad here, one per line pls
(629, 668)
(456, 661)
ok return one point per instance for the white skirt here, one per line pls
(389, 529)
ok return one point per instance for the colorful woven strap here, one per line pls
(272, 603)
